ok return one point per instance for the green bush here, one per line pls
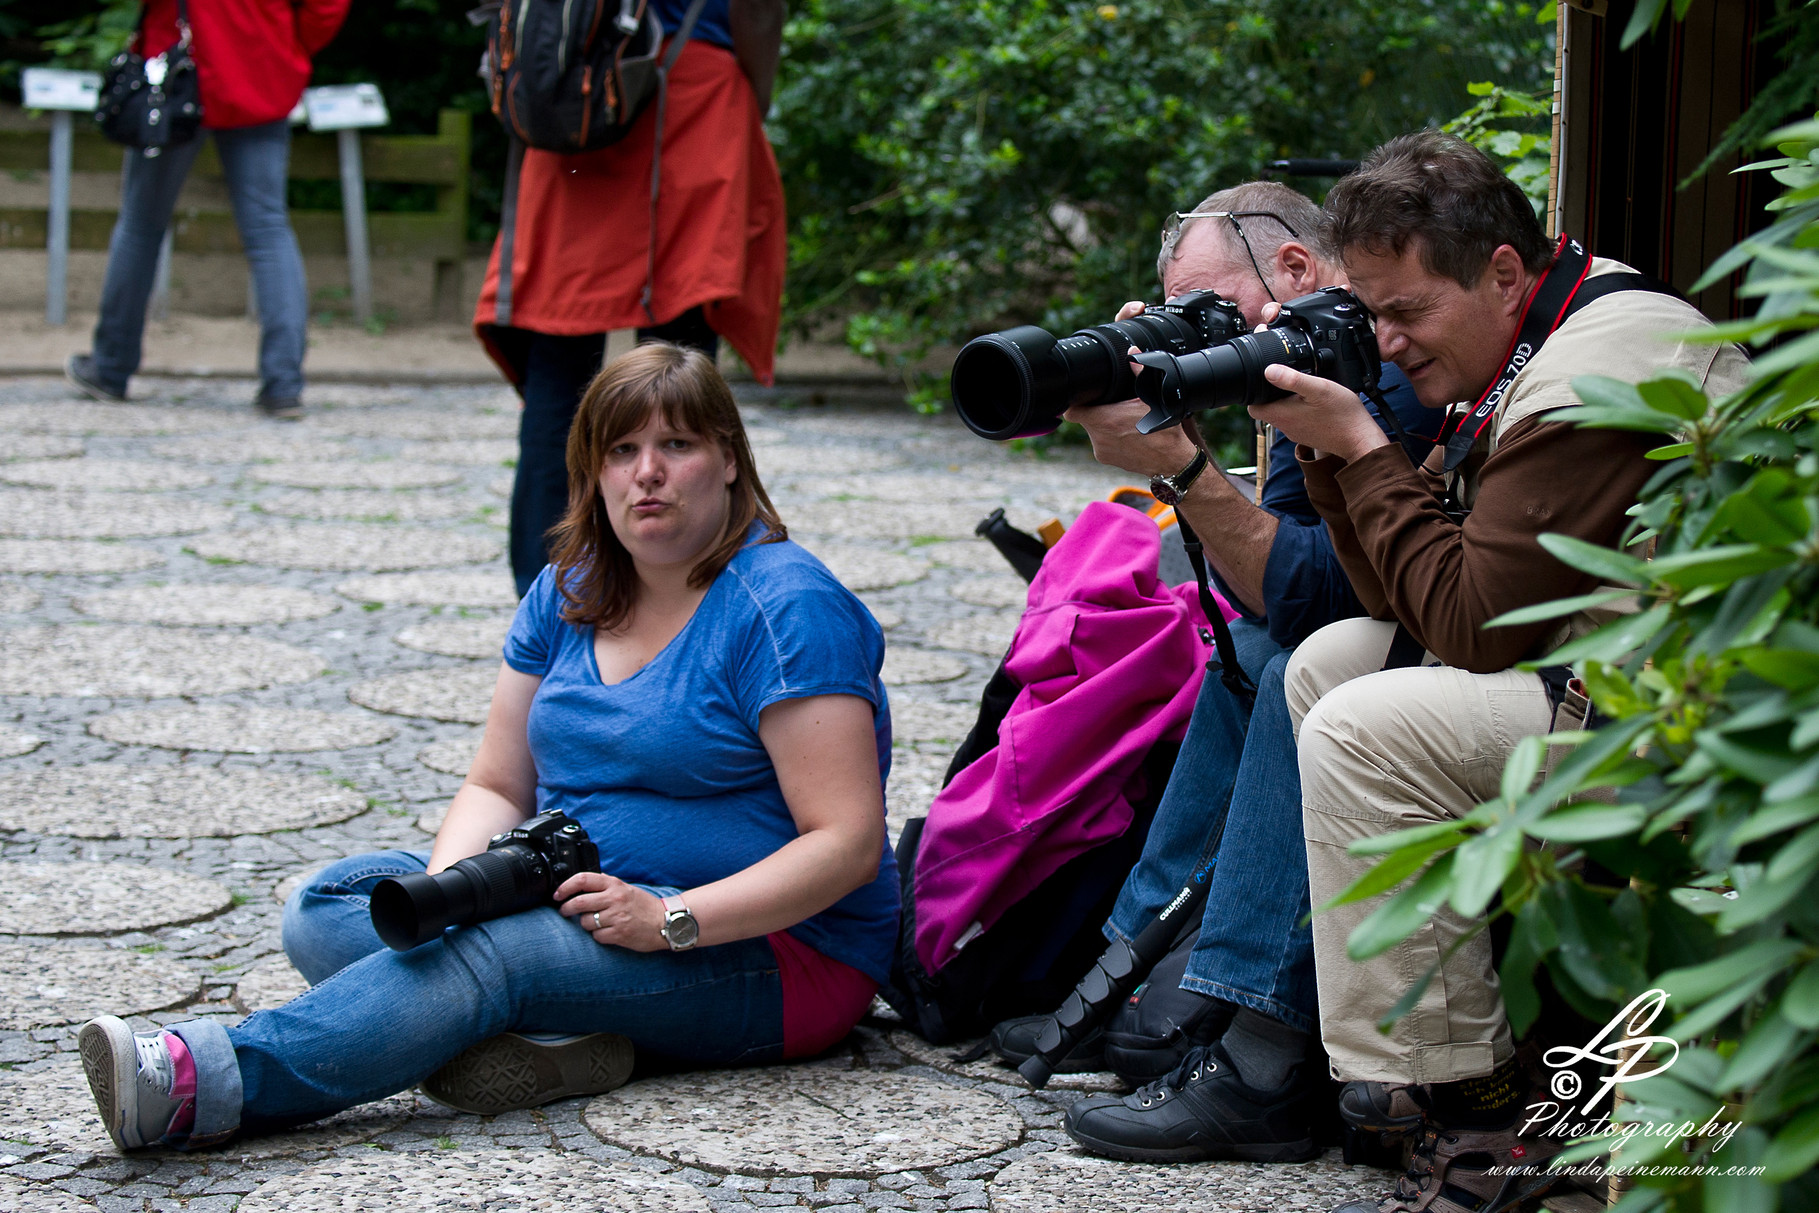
(1703, 876)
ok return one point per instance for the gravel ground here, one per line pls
(206, 700)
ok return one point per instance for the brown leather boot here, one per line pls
(1469, 1171)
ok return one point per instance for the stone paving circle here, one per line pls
(1068, 1181)
(884, 519)
(256, 447)
(111, 801)
(987, 635)
(103, 475)
(916, 488)
(1009, 590)
(94, 898)
(458, 637)
(420, 424)
(488, 588)
(113, 420)
(501, 486)
(219, 728)
(268, 985)
(921, 720)
(887, 617)
(75, 556)
(452, 756)
(785, 462)
(805, 1120)
(484, 452)
(15, 598)
(46, 982)
(15, 741)
(430, 820)
(341, 474)
(974, 555)
(206, 605)
(903, 666)
(38, 446)
(121, 660)
(461, 695)
(42, 514)
(946, 1058)
(492, 1180)
(354, 546)
(370, 505)
(16, 1194)
(915, 780)
(860, 568)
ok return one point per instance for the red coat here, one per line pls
(583, 230)
(252, 56)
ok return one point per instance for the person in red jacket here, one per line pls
(252, 61)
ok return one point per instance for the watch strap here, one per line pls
(1163, 487)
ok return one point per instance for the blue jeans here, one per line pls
(1253, 949)
(256, 163)
(557, 371)
(376, 1022)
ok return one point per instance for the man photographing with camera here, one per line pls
(1403, 726)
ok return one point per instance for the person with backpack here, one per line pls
(674, 226)
(252, 61)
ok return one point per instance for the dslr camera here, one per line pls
(1327, 334)
(1017, 383)
(519, 870)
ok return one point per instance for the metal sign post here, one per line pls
(347, 109)
(62, 93)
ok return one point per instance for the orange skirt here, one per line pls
(583, 226)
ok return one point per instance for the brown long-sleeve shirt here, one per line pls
(1408, 561)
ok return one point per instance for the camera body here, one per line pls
(1017, 383)
(519, 870)
(1327, 333)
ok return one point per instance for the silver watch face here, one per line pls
(680, 929)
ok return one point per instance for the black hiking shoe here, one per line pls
(1014, 1040)
(1201, 1111)
(1159, 1024)
(80, 371)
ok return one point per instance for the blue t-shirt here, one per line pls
(713, 25)
(665, 770)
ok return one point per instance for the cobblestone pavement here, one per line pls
(232, 650)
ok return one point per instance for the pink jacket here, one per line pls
(1110, 662)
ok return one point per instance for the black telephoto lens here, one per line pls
(1017, 383)
(415, 908)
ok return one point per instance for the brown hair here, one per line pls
(1441, 194)
(593, 570)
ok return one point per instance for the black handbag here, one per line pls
(155, 103)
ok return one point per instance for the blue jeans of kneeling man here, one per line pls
(1253, 950)
(376, 1022)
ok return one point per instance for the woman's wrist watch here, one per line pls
(1169, 490)
(680, 930)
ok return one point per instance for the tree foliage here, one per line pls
(1702, 877)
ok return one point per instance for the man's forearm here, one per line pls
(757, 29)
(1236, 534)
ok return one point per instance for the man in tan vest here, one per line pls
(1483, 313)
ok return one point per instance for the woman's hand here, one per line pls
(613, 912)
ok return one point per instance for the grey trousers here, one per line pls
(1384, 750)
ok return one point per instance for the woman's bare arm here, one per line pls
(500, 791)
(757, 30)
(826, 756)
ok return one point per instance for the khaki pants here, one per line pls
(1384, 750)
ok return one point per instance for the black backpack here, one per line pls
(573, 76)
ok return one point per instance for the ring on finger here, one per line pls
(597, 920)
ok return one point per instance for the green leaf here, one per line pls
(1382, 843)
(1397, 867)
(1772, 820)
(1594, 950)
(1586, 823)
(1595, 559)
(1771, 1044)
(1531, 938)
(1481, 865)
(1617, 639)
(1795, 1149)
(1757, 765)
(1798, 855)
(1641, 21)
(1402, 915)
(1717, 566)
(1694, 985)
(1523, 765)
(1675, 393)
(1801, 1001)
(1559, 607)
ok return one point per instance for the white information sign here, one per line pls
(342, 107)
(49, 88)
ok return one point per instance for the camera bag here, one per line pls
(155, 103)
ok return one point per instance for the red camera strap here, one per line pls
(1546, 307)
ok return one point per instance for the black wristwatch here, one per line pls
(1169, 490)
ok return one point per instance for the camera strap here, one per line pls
(1547, 306)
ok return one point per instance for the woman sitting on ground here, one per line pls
(703, 697)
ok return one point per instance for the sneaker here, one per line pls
(1201, 1111)
(1014, 1041)
(517, 1071)
(1161, 1023)
(1468, 1171)
(280, 408)
(131, 1075)
(80, 370)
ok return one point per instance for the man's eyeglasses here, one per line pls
(1171, 234)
